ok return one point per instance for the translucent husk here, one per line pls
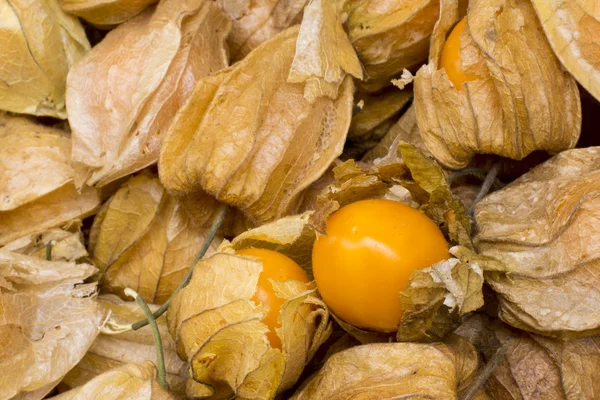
(218, 328)
(254, 21)
(521, 100)
(33, 70)
(535, 366)
(543, 228)
(572, 28)
(238, 140)
(142, 239)
(390, 36)
(127, 381)
(106, 13)
(36, 180)
(394, 370)
(49, 317)
(124, 94)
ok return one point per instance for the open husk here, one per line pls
(535, 367)
(128, 381)
(106, 13)
(141, 239)
(543, 227)
(123, 95)
(390, 36)
(572, 28)
(254, 21)
(36, 180)
(394, 370)
(521, 100)
(251, 139)
(40, 43)
(434, 297)
(218, 329)
(48, 318)
(138, 347)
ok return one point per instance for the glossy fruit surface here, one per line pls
(367, 256)
(450, 59)
(277, 267)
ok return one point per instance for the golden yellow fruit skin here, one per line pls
(280, 268)
(450, 59)
(365, 260)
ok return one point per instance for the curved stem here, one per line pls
(160, 357)
(487, 184)
(207, 241)
(49, 247)
(486, 372)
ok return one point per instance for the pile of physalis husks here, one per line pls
(155, 155)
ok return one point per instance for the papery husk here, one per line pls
(392, 370)
(106, 13)
(123, 95)
(543, 228)
(219, 332)
(521, 101)
(239, 140)
(33, 71)
(377, 114)
(109, 352)
(572, 28)
(254, 21)
(125, 382)
(324, 54)
(535, 367)
(141, 239)
(66, 245)
(48, 320)
(390, 36)
(36, 180)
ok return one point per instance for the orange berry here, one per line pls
(450, 60)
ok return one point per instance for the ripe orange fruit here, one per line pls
(277, 267)
(367, 256)
(450, 59)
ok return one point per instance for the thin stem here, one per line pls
(160, 357)
(49, 247)
(486, 372)
(209, 239)
(487, 184)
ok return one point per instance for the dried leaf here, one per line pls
(572, 29)
(324, 54)
(254, 21)
(105, 13)
(128, 381)
(48, 320)
(218, 330)
(143, 240)
(521, 99)
(441, 207)
(36, 180)
(40, 44)
(143, 72)
(109, 352)
(390, 36)
(238, 139)
(543, 228)
(391, 370)
(536, 367)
